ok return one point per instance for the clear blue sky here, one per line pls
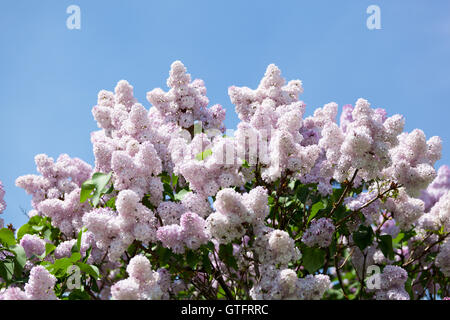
(50, 75)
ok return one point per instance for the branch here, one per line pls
(341, 198)
(379, 196)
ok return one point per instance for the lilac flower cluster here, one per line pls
(56, 192)
(437, 188)
(40, 286)
(2, 202)
(191, 232)
(284, 284)
(142, 283)
(319, 233)
(114, 232)
(393, 281)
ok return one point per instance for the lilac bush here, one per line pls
(287, 206)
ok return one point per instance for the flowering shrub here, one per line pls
(285, 207)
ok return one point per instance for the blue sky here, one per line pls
(50, 75)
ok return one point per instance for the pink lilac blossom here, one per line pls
(33, 245)
(191, 232)
(40, 286)
(319, 233)
(2, 203)
(392, 283)
(233, 210)
(56, 192)
(284, 284)
(412, 161)
(116, 231)
(437, 188)
(142, 283)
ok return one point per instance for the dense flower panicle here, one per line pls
(40, 286)
(275, 246)
(313, 287)
(56, 192)
(33, 245)
(405, 209)
(361, 143)
(142, 283)
(64, 249)
(2, 200)
(412, 161)
(439, 215)
(186, 101)
(319, 233)
(441, 210)
(2, 203)
(233, 210)
(114, 232)
(392, 281)
(191, 232)
(443, 258)
(437, 188)
(13, 293)
(284, 284)
(371, 212)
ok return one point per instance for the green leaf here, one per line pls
(363, 237)
(77, 294)
(80, 235)
(174, 179)
(206, 263)
(168, 191)
(313, 259)
(302, 193)
(399, 238)
(76, 256)
(90, 269)
(111, 203)
(95, 187)
(203, 155)
(165, 178)
(226, 255)
(210, 246)
(23, 230)
(180, 195)
(385, 245)
(7, 270)
(86, 190)
(164, 255)
(191, 259)
(315, 209)
(20, 256)
(59, 267)
(49, 248)
(7, 237)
